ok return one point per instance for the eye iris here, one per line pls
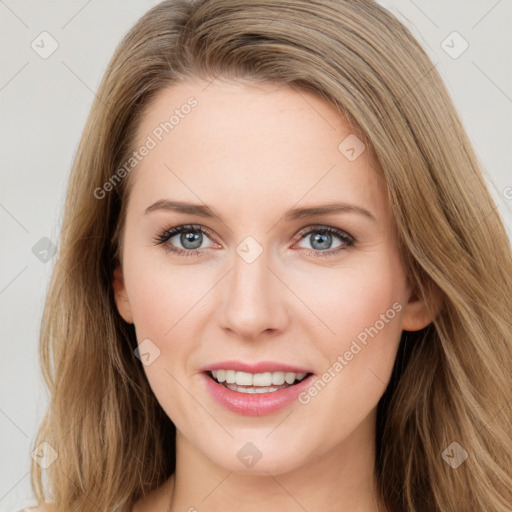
(191, 237)
(325, 240)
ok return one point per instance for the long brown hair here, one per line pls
(451, 382)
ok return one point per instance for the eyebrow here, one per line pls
(292, 214)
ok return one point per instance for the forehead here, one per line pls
(251, 141)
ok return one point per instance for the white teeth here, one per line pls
(263, 380)
(278, 378)
(289, 377)
(243, 379)
(251, 391)
(230, 376)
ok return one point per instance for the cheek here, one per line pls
(350, 300)
(359, 357)
(162, 296)
(162, 302)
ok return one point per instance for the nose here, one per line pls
(254, 299)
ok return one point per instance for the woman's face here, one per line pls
(261, 284)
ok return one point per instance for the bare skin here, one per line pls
(251, 153)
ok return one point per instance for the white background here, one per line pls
(44, 104)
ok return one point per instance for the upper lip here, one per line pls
(259, 367)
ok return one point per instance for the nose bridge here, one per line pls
(250, 273)
(253, 301)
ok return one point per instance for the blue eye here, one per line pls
(322, 237)
(191, 238)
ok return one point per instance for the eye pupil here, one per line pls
(324, 239)
(191, 237)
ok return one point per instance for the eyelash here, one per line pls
(164, 236)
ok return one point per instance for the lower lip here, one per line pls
(257, 404)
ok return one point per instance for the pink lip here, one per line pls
(255, 404)
(261, 367)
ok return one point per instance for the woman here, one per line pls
(282, 283)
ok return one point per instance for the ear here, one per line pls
(120, 296)
(417, 314)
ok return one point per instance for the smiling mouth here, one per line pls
(254, 383)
